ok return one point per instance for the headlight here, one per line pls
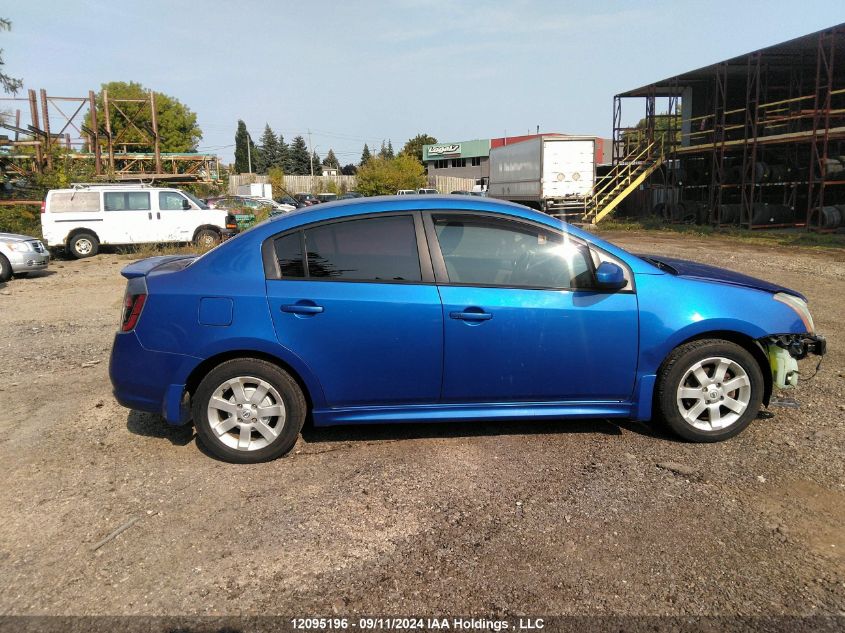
(800, 307)
(21, 247)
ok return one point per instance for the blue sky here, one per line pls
(356, 72)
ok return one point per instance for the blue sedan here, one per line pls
(434, 308)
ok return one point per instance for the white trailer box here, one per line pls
(256, 190)
(549, 172)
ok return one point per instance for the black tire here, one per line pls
(673, 371)
(5, 269)
(83, 245)
(207, 238)
(291, 395)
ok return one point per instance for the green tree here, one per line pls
(331, 160)
(177, 125)
(282, 155)
(315, 161)
(268, 150)
(383, 176)
(243, 144)
(300, 164)
(349, 170)
(389, 152)
(414, 146)
(10, 84)
(365, 155)
(276, 177)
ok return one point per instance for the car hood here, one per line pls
(14, 237)
(705, 272)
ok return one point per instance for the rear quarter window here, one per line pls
(74, 201)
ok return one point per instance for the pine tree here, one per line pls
(268, 151)
(318, 168)
(282, 155)
(243, 144)
(349, 170)
(389, 153)
(300, 164)
(365, 155)
(331, 160)
(382, 153)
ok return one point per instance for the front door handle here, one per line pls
(471, 316)
(150, 215)
(298, 308)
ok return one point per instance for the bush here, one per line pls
(385, 176)
(23, 219)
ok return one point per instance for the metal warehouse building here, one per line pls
(471, 159)
(756, 140)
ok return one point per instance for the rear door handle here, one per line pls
(471, 316)
(150, 215)
(298, 308)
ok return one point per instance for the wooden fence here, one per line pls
(318, 184)
(296, 184)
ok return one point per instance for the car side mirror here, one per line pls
(186, 206)
(610, 276)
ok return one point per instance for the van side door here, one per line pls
(127, 218)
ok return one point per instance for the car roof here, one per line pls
(350, 207)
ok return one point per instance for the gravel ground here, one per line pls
(530, 518)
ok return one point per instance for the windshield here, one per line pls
(202, 205)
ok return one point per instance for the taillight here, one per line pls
(43, 206)
(132, 306)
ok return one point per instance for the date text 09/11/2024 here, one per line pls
(411, 623)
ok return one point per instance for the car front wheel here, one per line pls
(709, 390)
(248, 411)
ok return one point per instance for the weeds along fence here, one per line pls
(296, 184)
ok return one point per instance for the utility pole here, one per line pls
(311, 159)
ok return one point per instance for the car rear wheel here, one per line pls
(83, 245)
(709, 390)
(248, 411)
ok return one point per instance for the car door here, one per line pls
(355, 301)
(523, 320)
(174, 217)
(127, 218)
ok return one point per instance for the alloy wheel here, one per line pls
(713, 393)
(246, 413)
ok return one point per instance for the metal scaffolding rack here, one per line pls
(58, 128)
(756, 141)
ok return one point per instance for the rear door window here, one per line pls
(367, 249)
(370, 249)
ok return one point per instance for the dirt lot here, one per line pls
(551, 518)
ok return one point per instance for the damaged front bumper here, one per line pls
(784, 352)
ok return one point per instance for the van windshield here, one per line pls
(202, 205)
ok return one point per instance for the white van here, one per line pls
(82, 218)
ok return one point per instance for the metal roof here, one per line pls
(801, 50)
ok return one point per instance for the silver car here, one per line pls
(20, 255)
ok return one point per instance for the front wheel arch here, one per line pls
(749, 344)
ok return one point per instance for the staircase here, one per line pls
(626, 175)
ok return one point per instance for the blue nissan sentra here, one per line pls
(440, 308)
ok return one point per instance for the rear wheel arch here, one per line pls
(201, 371)
(743, 340)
